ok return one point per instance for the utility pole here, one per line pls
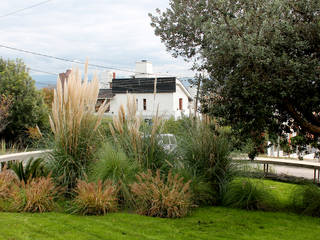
(197, 96)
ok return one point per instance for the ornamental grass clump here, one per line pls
(139, 141)
(205, 154)
(36, 195)
(95, 198)
(7, 181)
(306, 200)
(250, 195)
(75, 127)
(167, 197)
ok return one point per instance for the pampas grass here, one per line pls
(138, 141)
(75, 126)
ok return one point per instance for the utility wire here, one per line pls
(41, 71)
(77, 62)
(23, 9)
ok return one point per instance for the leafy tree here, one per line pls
(262, 57)
(5, 104)
(28, 109)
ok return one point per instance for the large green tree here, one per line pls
(27, 107)
(262, 57)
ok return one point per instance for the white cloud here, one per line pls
(109, 32)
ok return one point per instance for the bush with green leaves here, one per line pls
(27, 107)
(250, 195)
(306, 200)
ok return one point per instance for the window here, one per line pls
(137, 103)
(180, 103)
(144, 104)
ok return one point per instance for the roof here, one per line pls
(105, 94)
(143, 85)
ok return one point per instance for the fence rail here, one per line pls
(23, 156)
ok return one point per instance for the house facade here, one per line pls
(167, 95)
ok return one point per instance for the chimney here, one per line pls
(64, 77)
(144, 69)
(113, 75)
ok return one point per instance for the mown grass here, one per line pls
(204, 223)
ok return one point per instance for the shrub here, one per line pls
(206, 153)
(250, 195)
(95, 198)
(37, 195)
(75, 127)
(113, 164)
(7, 181)
(33, 169)
(306, 200)
(27, 107)
(159, 197)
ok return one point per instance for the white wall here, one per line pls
(163, 100)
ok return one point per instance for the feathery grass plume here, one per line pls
(138, 140)
(157, 197)
(95, 198)
(74, 124)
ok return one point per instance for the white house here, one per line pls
(167, 94)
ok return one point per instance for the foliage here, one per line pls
(113, 164)
(36, 195)
(138, 141)
(159, 197)
(75, 127)
(306, 200)
(48, 96)
(5, 105)
(7, 181)
(27, 107)
(95, 198)
(249, 195)
(34, 168)
(205, 151)
(262, 58)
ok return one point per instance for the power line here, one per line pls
(23, 9)
(78, 62)
(41, 71)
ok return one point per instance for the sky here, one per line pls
(114, 33)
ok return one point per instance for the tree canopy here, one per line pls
(27, 108)
(262, 57)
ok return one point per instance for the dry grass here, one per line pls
(158, 197)
(75, 127)
(73, 109)
(7, 180)
(95, 198)
(127, 130)
(37, 195)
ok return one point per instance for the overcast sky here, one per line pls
(108, 32)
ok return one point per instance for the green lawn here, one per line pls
(205, 223)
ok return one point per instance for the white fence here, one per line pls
(23, 156)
